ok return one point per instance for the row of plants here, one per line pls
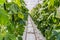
(46, 18)
(13, 17)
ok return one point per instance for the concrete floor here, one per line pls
(31, 31)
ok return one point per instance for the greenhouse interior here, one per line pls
(29, 20)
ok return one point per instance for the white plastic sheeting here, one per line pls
(32, 3)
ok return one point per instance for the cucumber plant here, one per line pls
(44, 16)
(13, 17)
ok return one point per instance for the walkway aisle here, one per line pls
(31, 31)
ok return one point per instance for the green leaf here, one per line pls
(12, 37)
(18, 2)
(3, 17)
(19, 38)
(2, 1)
(21, 15)
(50, 4)
(1, 37)
(58, 37)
